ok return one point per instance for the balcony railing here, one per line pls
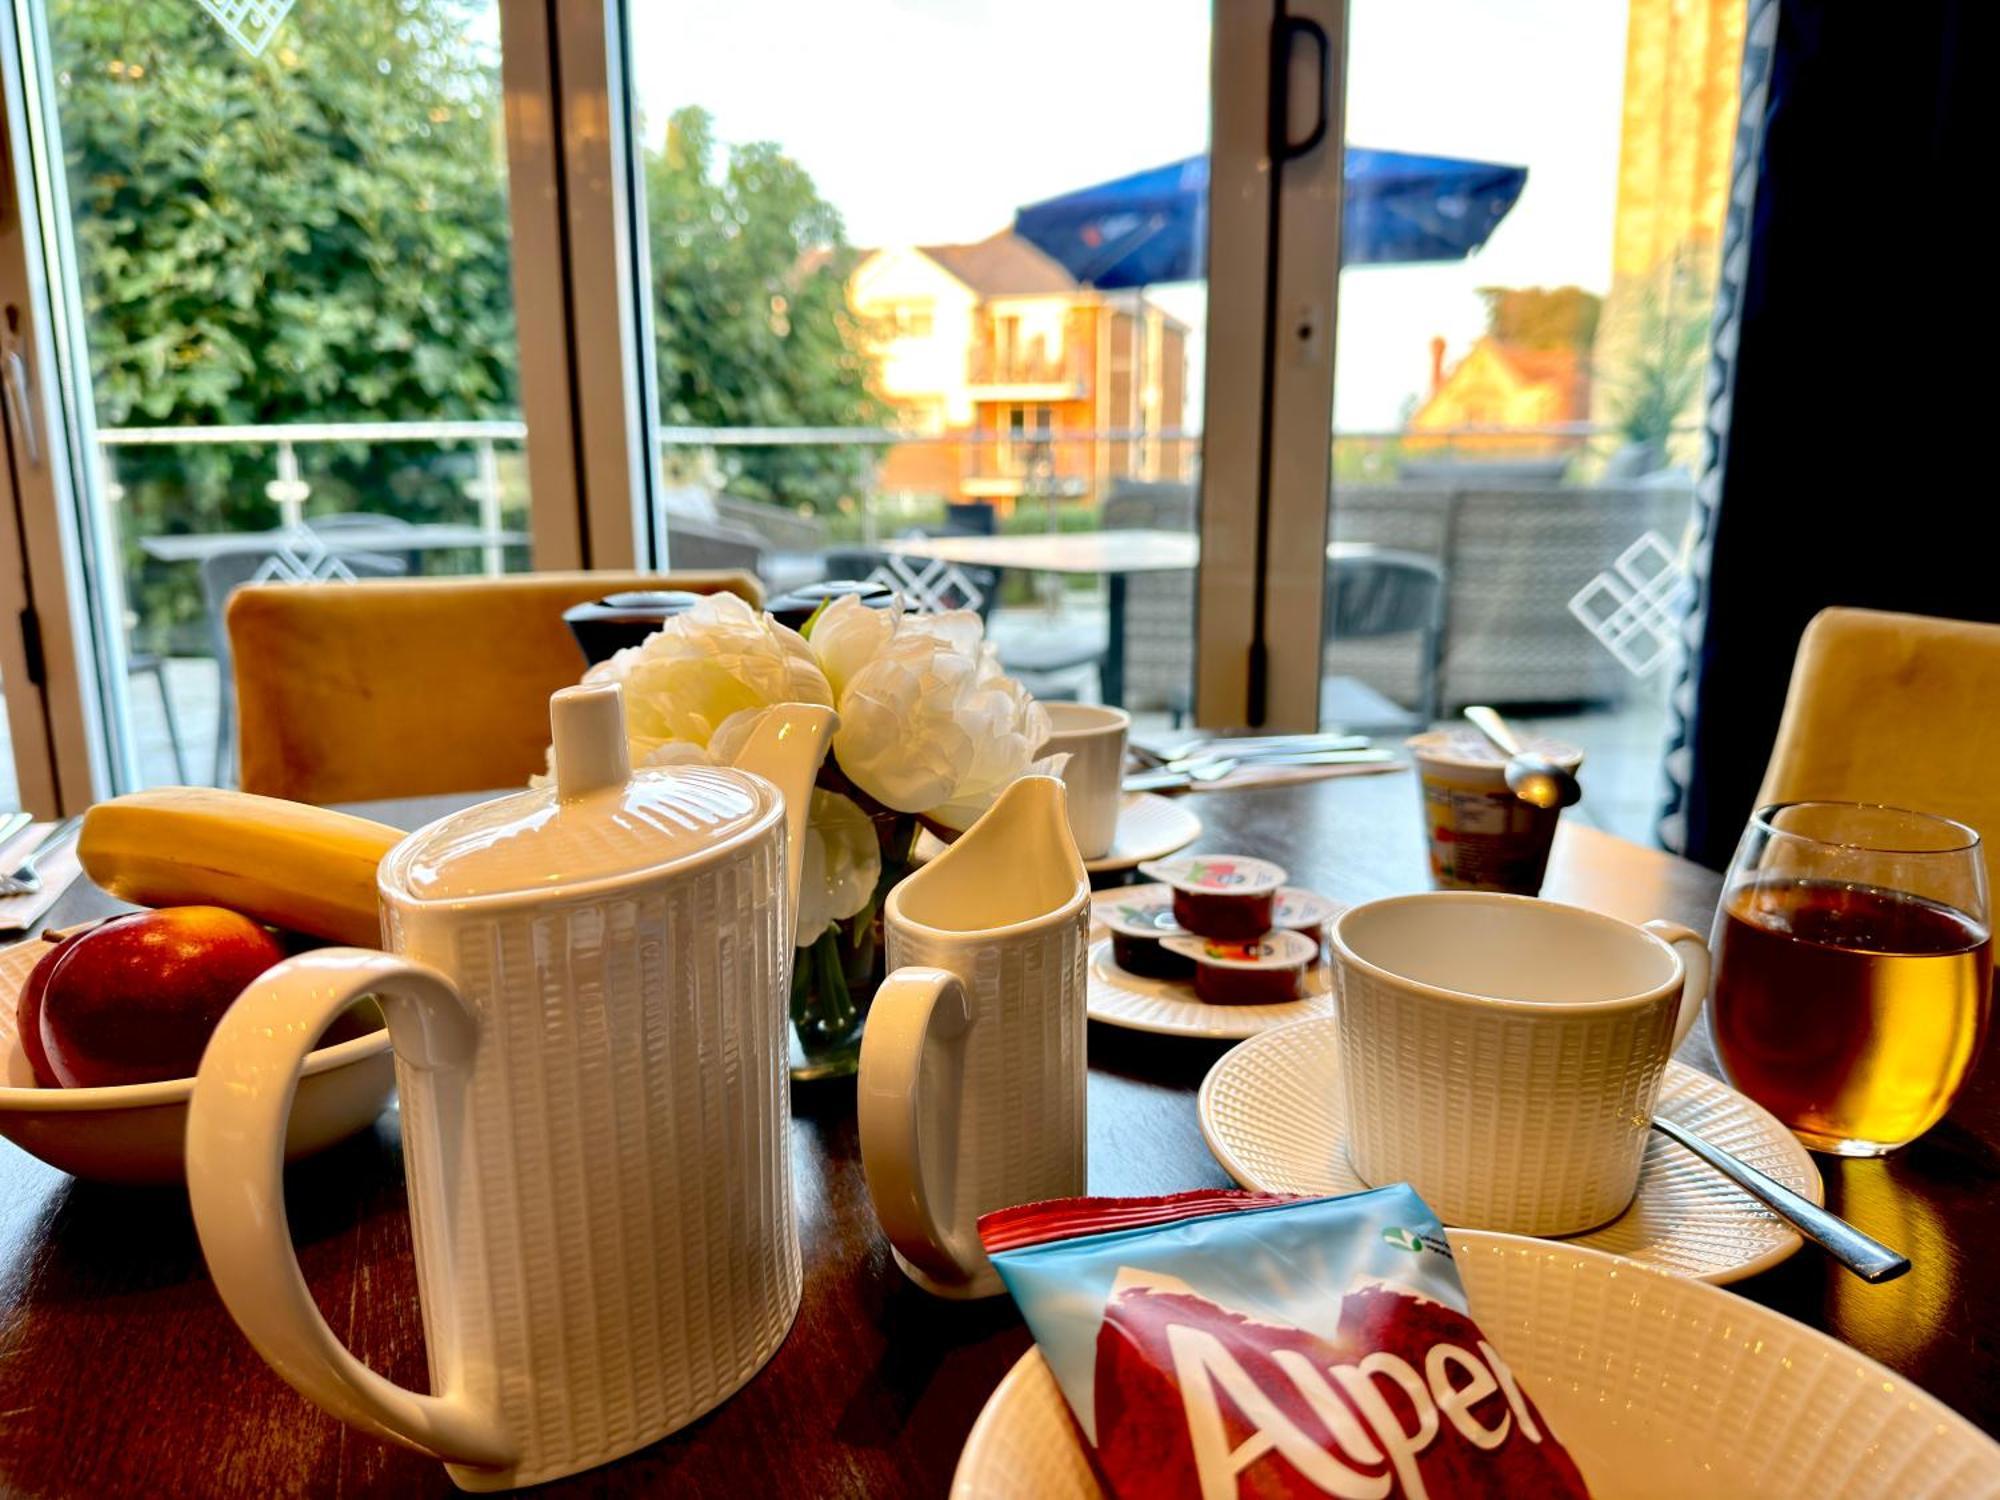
(1033, 365)
(986, 454)
(288, 489)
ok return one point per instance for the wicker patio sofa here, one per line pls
(1514, 552)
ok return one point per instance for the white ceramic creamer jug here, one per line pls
(588, 1004)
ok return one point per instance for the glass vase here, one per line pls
(834, 979)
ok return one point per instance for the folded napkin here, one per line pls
(59, 870)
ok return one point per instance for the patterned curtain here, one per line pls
(1759, 37)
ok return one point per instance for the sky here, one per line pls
(932, 120)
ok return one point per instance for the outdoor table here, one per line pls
(122, 1375)
(1115, 554)
(440, 536)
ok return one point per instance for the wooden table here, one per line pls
(121, 1375)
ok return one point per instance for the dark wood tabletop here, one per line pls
(122, 1375)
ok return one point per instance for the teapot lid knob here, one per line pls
(587, 726)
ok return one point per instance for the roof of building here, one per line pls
(1003, 265)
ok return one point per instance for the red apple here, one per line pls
(136, 999)
(28, 1013)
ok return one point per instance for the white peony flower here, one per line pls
(719, 658)
(843, 863)
(928, 722)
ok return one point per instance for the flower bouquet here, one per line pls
(930, 733)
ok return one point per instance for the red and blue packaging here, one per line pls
(1214, 1345)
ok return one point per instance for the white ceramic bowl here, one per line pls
(133, 1133)
(1660, 1388)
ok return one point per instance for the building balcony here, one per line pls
(1026, 375)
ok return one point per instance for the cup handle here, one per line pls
(918, 1013)
(1694, 958)
(235, 1169)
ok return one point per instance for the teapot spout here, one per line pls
(786, 750)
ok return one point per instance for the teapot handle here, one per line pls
(235, 1168)
(919, 1014)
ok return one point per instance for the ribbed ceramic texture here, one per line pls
(602, 1207)
(1526, 1123)
(1149, 827)
(1020, 1109)
(1169, 1006)
(1269, 1112)
(1661, 1388)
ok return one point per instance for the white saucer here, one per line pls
(1658, 1386)
(1169, 1006)
(1269, 1112)
(1149, 827)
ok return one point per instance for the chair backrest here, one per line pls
(226, 572)
(405, 688)
(1378, 591)
(1375, 591)
(927, 586)
(1897, 709)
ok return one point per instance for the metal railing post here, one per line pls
(487, 487)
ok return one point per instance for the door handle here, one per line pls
(1283, 148)
(14, 375)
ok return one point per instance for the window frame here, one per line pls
(581, 283)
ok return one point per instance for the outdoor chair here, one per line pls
(1373, 592)
(412, 687)
(1038, 658)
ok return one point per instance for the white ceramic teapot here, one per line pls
(588, 1004)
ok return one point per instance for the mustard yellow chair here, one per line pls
(1899, 709)
(406, 687)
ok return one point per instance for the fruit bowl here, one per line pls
(133, 1133)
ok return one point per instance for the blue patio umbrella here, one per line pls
(1152, 226)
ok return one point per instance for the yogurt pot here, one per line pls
(1481, 836)
(1264, 970)
(1300, 910)
(1139, 921)
(1220, 895)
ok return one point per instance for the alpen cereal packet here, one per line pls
(1213, 1345)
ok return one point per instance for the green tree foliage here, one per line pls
(1533, 317)
(750, 311)
(320, 234)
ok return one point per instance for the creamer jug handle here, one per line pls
(908, 1151)
(235, 1167)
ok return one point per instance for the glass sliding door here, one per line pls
(1534, 206)
(281, 324)
(929, 302)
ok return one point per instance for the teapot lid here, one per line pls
(597, 820)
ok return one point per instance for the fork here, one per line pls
(26, 879)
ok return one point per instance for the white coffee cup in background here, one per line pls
(1093, 737)
(1503, 1054)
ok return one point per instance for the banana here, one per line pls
(284, 863)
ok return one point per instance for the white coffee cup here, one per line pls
(971, 1094)
(1503, 1054)
(1093, 737)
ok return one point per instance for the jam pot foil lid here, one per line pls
(1298, 907)
(1217, 874)
(1141, 911)
(1274, 950)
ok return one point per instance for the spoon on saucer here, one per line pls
(1866, 1257)
(1533, 778)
